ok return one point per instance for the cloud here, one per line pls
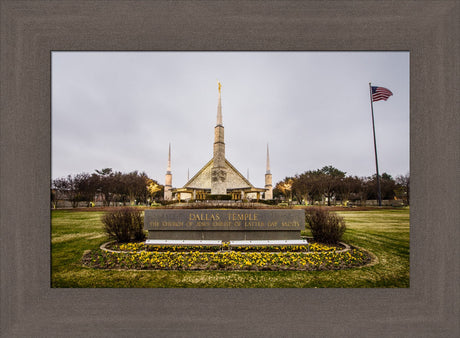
(121, 110)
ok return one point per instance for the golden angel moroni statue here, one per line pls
(220, 85)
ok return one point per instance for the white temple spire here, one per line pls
(268, 161)
(268, 179)
(218, 171)
(169, 158)
(219, 107)
(168, 178)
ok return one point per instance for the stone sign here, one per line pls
(230, 224)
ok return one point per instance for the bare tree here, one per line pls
(402, 190)
(106, 185)
(329, 179)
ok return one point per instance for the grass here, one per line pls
(383, 232)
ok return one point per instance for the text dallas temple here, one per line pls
(218, 177)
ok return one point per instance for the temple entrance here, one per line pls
(200, 195)
(236, 195)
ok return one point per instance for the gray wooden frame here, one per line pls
(30, 30)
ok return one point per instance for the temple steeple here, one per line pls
(268, 179)
(169, 160)
(218, 172)
(219, 107)
(268, 161)
(168, 178)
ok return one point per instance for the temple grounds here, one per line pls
(382, 232)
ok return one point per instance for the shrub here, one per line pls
(326, 227)
(269, 202)
(218, 197)
(124, 224)
(168, 202)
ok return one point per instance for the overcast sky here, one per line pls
(121, 110)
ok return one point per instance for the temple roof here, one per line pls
(202, 179)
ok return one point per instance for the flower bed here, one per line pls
(176, 258)
(141, 246)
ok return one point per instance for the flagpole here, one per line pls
(379, 194)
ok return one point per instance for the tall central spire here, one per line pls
(218, 172)
(219, 107)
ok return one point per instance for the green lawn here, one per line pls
(385, 233)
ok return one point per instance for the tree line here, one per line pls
(106, 186)
(326, 185)
(330, 184)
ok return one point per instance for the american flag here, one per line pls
(380, 93)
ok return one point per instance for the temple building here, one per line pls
(218, 177)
